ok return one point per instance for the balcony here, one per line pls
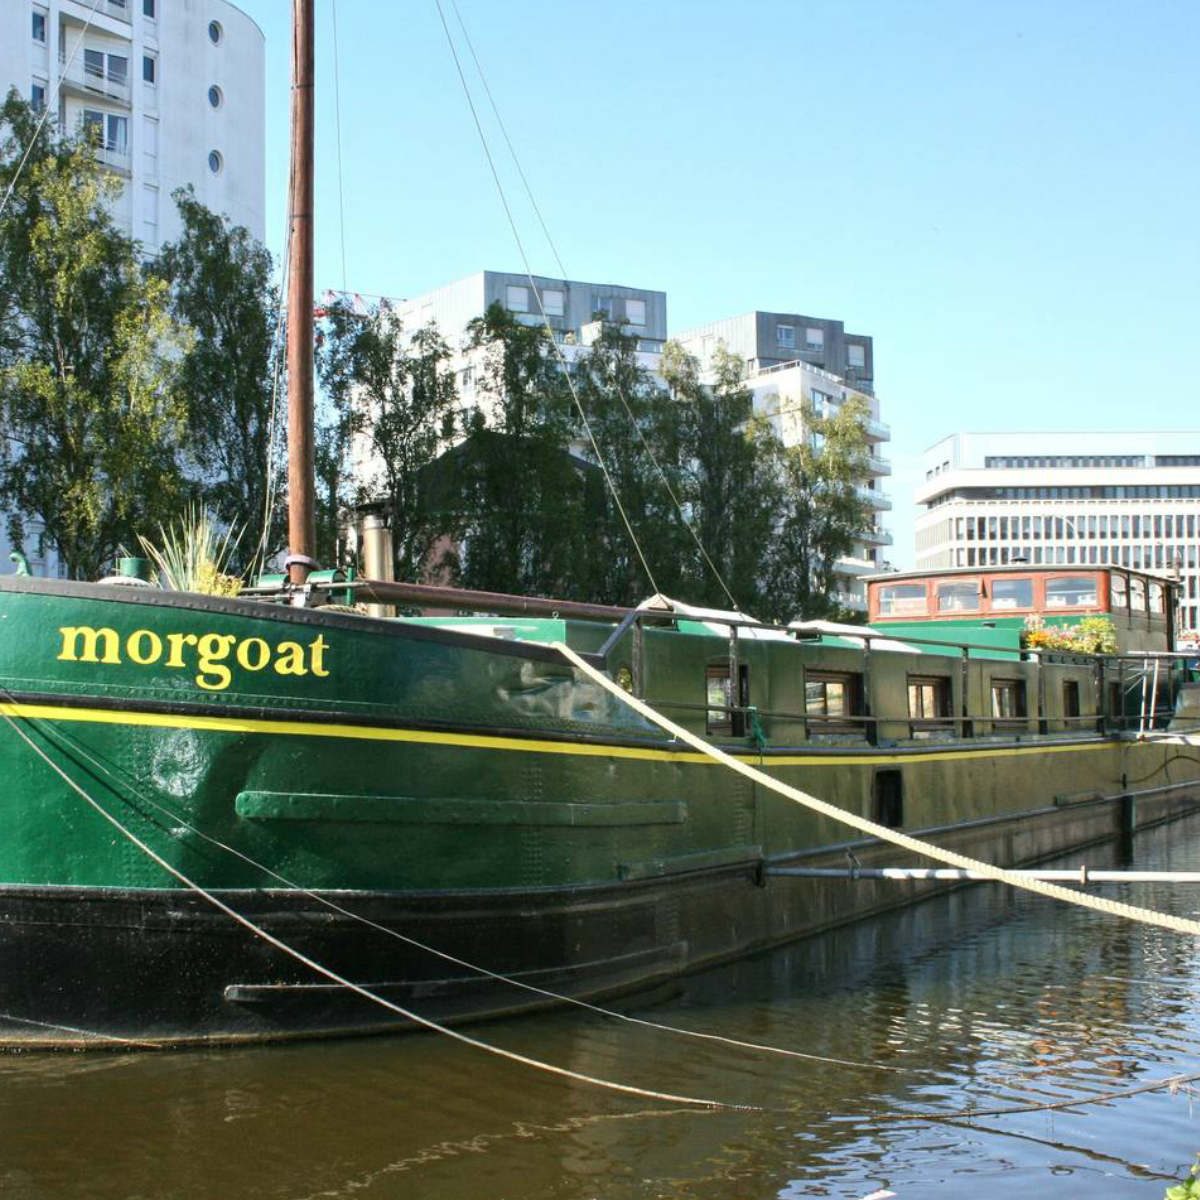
(876, 537)
(877, 431)
(86, 80)
(878, 466)
(877, 500)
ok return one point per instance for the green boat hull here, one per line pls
(369, 793)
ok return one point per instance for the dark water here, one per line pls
(980, 1000)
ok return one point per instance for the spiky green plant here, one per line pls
(192, 556)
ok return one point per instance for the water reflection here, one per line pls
(980, 1000)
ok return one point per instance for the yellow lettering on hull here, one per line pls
(209, 655)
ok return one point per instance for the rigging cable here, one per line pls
(528, 271)
(334, 977)
(688, 525)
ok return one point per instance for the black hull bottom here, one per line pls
(98, 967)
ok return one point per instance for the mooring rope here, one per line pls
(1114, 908)
(334, 977)
(80, 751)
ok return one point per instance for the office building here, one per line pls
(1130, 499)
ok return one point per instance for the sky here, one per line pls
(1004, 195)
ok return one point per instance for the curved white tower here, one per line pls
(174, 89)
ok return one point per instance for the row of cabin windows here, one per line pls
(833, 702)
(1064, 591)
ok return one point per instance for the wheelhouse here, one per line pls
(1142, 607)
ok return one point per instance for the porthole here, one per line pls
(216, 97)
(215, 32)
(215, 161)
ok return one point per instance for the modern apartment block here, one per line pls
(791, 359)
(573, 309)
(1130, 499)
(173, 91)
(769, 339)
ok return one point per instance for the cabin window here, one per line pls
(831, 701)
(1118, 591)
(1071, 702)
(959, 595)
(1008, 700)
(719, 698)
(726, 708)
(1070, 591)
(1137, 595)
(928, 703)
(889, 798)
(516, 299)
(902, 599)
(1157, 598)
(1012, 593)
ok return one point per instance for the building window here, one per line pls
(39, 27)
(1008, 701)
(553, 302)
(831, 701)
(106, 131)
(856, 355)
(215, 161)
(216, 97)
(149, 68)
(37, 96)
(215, 32)
(814, 339)
(148, 9)
(785, 336)
(635, 312)
(516, 299)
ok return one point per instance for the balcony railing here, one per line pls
(92, 82)
(876, 500)
(878, 466)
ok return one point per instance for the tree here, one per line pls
(634, 423)
(393, 400)
(822, 512)
(731, 493)
(221, 291)
(89, 402)
(521, 508)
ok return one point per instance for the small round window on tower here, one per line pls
(216, 97)
(215, 32)
(215, 161)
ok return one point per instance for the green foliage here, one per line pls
(634, 426)
(1189, 1189)
(193, 555)
(1090, 635)
(222, 294)
(520, 492)
(822, 512)
(725, 496)
(89, 358)
(391, 401)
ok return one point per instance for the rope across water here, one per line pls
(1116, 908)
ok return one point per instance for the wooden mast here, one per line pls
(302, 529)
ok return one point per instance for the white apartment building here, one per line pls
(1131, 499)
(174, 90)
(791, 359)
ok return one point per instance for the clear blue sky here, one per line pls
(1005, 195)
